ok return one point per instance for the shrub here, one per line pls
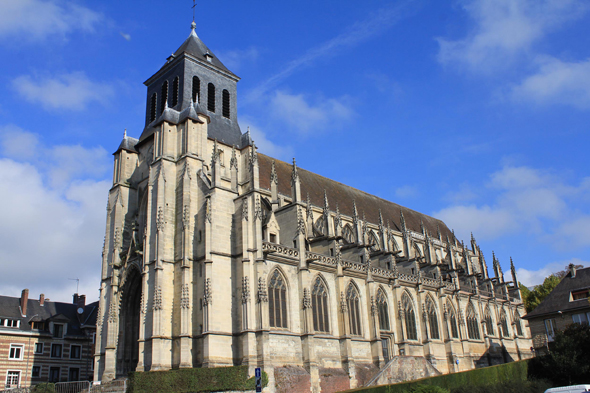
(506, 387)
(427, 389)
(193, 380)
(44, 388)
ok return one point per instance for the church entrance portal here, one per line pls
(128, 348)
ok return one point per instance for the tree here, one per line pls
(568, 361)
(564, 272)
(533, 298)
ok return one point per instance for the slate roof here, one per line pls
(559, 298)
(128, 144)
(10, 308)
(197, 49)
(344, 195)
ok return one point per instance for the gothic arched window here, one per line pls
(432, 318)
(348, 234)
(225, 103)
(382, 309)
(409, 316)
(518, 323)
(452, 320)
(153, 107)
(320, 225)
(354, 315)
(489, 323)
(277, 300)
(472, 328)
(504, 324)
(175, 91)
(211, 97)
(196, 89)
(164, 97)
(319, 306)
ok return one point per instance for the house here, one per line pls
(45, 341)
(568, 303)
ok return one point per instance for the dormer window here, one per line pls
(579, 294)
(208, 57)
(58, 330)
(11, 323)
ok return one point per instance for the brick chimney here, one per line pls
(81, 301)
(572, 270)
(42, 299)
(24, 298)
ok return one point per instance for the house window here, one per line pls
(582, 319)
(225, 103)
(409, 317)
(582, 294)
(164, 98)
(453, 321)
(14, 323)
(74, 374)
(93, 338)
(75, 351)
(196, 89)
(550, 328)
(382, 310)
(518, 324)
(273, 238)
(36, 373)
(16, 352)
(38, 348)
(54, 374)
(354, 314)
(58, 330)
(56, 350)
(211, 97)
(319, 304)
(432, 319)
(175, 91)
(472, 328)
(38, 325)
(277, 300)
(12, 379)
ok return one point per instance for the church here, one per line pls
(216, 254)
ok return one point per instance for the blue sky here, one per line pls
(475, 112)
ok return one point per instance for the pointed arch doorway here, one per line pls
(129, 320)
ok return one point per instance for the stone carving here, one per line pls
(253, 156)
(262, 294)
(309, 212)
(245, 209)
(355, 215)
(160, 219)
(274, 179)
(257, 209)
(112, 313)
(294, 173)
(184, 299)
(208, 293)
(208, 211)
(215, 154)
(326, 206)
(306, 299)
(186, 218)
(343, 304)
(338, 218)
(157, 298)
(186, 171)
(373, 306)
(300, 222)
(245, 290)
(233, 162)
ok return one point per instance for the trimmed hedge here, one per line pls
(193, 380)
(46, 387)
(515, 371)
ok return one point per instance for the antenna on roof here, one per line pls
(77, 283)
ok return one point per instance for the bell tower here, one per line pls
(194, 74)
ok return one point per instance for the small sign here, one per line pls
(258, 377)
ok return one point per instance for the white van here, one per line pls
(570, 389)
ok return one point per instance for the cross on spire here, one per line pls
(193, 7)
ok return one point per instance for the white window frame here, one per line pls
(550, 335)
(579, 318)
(63, 330)
(6, 385)
(42, 348)
(61, 353)
(15, 346)
(80, 351)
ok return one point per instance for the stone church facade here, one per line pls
(218, 255)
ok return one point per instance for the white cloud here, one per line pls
(406, 191)
(234, 59)
(556, 82)
(73, 91)
(265, 146)
(524, 199)
(355, 35)
(53, 215)
(39, 20)
(297, 113)
(535, 277)
(504, 30)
